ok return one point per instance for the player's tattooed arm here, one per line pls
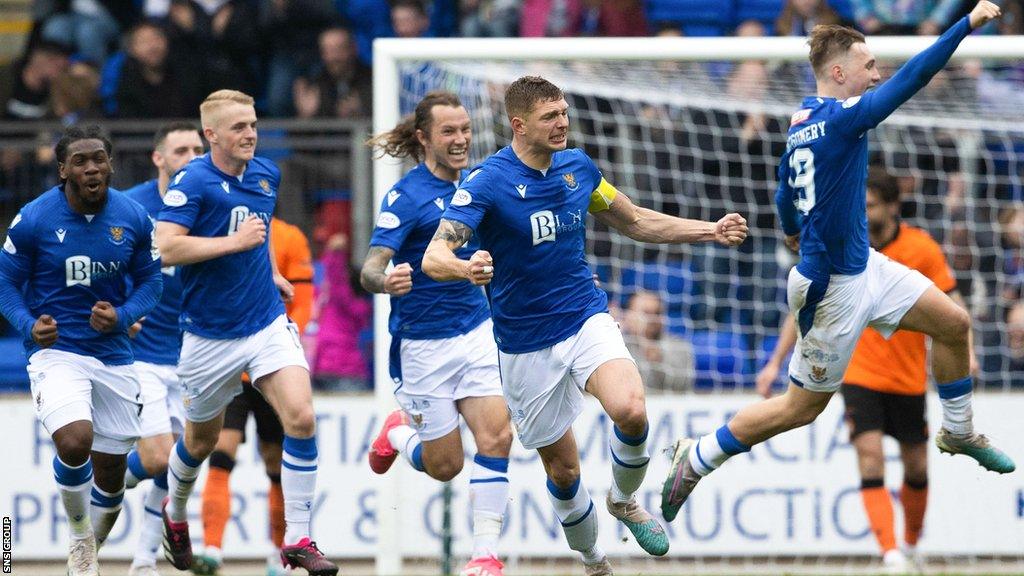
(441, 263)
(454, 233)
(374, 278)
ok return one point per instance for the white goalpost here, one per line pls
(694, 127)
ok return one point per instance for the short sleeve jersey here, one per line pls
(68, 261)
(231, 296)
(409, 216)
(534, 225)
(900, 365)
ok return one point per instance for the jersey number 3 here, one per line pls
(801, 178)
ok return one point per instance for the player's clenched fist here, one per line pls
(398, 282)
(731, 230)
(481, 268)
(44, 331)
(251, 233)
(984, 13)
(104, 317)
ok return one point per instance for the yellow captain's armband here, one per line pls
(601, 198)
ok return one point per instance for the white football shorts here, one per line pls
(437, 373)
(67, 387)
(830, 323)
(211, 369)
(544, 388)
(163, 411)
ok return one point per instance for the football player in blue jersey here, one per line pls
(78, 269)
(841, 285)
(156, 353)
(527, 204)
(214, 226)
(444, 360)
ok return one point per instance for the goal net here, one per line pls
(695, 128)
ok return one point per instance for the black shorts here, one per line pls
(268, 426)
(897, 415)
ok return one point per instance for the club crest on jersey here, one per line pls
(265, 186)
(570, 181)
(117, 235)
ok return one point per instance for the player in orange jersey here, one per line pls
(885, 383)
(291, 249)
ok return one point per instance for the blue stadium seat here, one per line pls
(722, 360)
(110, 77)
(13, 377)
(764, 11)
(698, 17)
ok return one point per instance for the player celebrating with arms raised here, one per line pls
(79, 246)
(555, 337)
(445, 361)
(214, 225)
(841, 285)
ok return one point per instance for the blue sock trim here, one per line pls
(104, 501)
(417, 458)
(619, 462)
(492, 463)
(956, 388)
(564, 493)
(488, 480)
(703, 463)
(581, 518)
(157, 513)
(304, 448)
(135, 466)
(161, 481)
(630, 440)
(297, 468)
(68, 476)
(187, 458)
(730, 445)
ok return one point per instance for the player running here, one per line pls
(555, 337)
(443, 360)
(156, 350)
(214, 225)
(77, 270)
(841, 285)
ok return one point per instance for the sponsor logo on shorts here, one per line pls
(417, 419)
(819, 356)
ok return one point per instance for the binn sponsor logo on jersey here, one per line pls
(462, 198)
(239, 214)
(81, 270)
(546, 225)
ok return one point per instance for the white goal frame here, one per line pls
(389, 53)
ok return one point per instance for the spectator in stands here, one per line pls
(151, 86)
(76, 94)
(88, 27)
(665, 360)
(25, 84)
(369, 19)
(290, 28)
(1011, 222)
(342, 312)
(614, 18)
(1015, 343)
(409, 19)
(551, 18)
(799, 17)
(341, 86)
(489, 18)
(927, 17)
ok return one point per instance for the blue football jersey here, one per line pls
(408, 219)
(159, 342)
(232, 296)
(56, 261)
(823, 173)
(533, 224)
